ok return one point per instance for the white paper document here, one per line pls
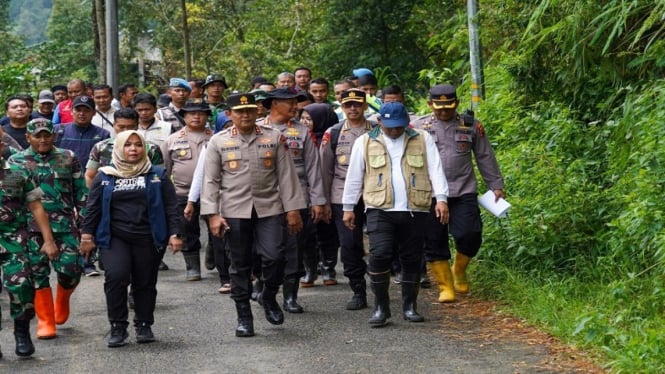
(498, 208)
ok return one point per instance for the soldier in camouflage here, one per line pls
(18, 190)
(58, 173)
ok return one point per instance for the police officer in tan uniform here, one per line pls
(335, 151)
(282, 103)
(181, 152)
(249, 183)
(397, 170)
(458, 137)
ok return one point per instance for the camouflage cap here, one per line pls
(38, 125)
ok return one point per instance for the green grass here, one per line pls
(621, 323)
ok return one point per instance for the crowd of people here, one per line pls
(286, 179)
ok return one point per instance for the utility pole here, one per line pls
(112, 46)
(186, 42)
(477, 75)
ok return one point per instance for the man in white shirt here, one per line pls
(103, 97)
(397, 170)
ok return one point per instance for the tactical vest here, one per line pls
(378, 188)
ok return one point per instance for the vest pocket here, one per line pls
(415, 160)
(375, 190)
(420, 190)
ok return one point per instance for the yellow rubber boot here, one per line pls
(62, 304)
(444, 278)
(45, 313)
(459, 272)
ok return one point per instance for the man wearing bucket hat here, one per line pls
(282, 103)
(179, 90)
(181, 152)
(458, 137)
(250, 182)
(397, 170)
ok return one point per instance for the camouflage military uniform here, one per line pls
(100, 155)
(16, 190)
(59, 175)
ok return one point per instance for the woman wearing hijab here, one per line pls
(131, 211)
(318, 118)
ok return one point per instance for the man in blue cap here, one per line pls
(179, 90)
(397, 171)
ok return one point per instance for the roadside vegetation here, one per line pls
(575, 107)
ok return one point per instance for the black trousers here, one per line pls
(385, 229)
(464, 225)
(192, 229)
(295, 247)
(134, 260)
(352, 251)
(222, 261)
(328, 245)
(266, 235)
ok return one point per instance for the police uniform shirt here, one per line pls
(305, 156)
(170, 114)
(249, 172)
(334, 164)
(181, 152)
(456, 143)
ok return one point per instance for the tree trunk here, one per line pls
(185, 37)
(100, 39)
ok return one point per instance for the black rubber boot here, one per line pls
(193, 265)
(359, 299)
(245, 326)
(310, 263)
(290, 290)
(381, 313)
(24, 346)
(410, 288)
(257, 288)
(271, 308)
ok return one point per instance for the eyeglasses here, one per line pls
(353, 104)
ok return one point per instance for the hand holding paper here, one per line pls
(497, 207)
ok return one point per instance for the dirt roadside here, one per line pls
(483, 322)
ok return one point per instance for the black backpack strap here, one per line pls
(334, 135)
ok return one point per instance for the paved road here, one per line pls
(195, 334)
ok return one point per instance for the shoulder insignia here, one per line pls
(480, 128)
(182, 133)
(325, 139)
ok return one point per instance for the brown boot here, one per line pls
(45, 313)
(459, 272)
(444, 279)
(62, 304)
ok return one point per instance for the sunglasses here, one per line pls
(353, 104)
